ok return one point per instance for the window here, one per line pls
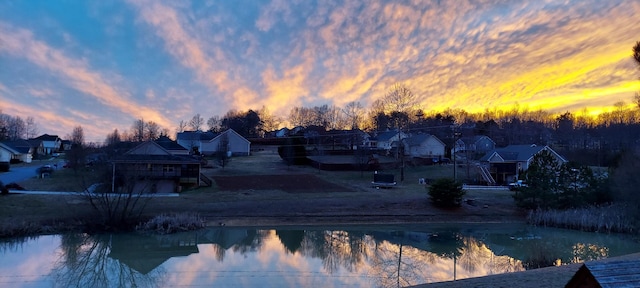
(167, 168)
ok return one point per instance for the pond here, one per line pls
(353, 256)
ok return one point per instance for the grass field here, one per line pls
(262, 190)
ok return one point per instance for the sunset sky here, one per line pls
(103, 64)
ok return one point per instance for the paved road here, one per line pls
(25, 171)
(17, 174)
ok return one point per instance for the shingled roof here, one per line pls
(517, 153)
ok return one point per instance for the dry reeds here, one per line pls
(612, 218)
(172, 223)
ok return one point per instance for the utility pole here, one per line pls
(455, 139)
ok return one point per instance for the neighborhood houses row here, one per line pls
(168, 165)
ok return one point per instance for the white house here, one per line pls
(385, 140)
(424, 145)
(234, 142)
(6, 153)
(19, 150)
(192, 140)
(50, 143)
(209, 143)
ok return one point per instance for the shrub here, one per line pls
(3, 189)
(4, 166)
(446, 192)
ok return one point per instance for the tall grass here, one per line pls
(612, 218)
(172, 223)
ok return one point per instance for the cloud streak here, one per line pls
(76, 73)
(208, 58)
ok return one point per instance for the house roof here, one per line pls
(8, 148)
(164, 159)
(34, 142)
(474, 139)
(418, 139)
(152, 152)
(518, 153)
(19, 146)
(196, 135)
(233, 132)
(169, 144)
(47, 137)
(386, 135)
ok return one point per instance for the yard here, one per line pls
(262, 190)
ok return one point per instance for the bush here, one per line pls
(446, 192)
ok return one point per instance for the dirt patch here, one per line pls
(297, 183)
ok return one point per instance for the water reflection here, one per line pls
(362, 257)
(114, 261)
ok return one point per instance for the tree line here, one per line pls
(15, 127)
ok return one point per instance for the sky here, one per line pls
(104, 64)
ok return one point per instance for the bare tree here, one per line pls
(196, 122)
(152, 130)
(399, 98)
(112, 138)
(270, 122)
(16, 127)
(31, 127)
(4, 126)
(353, 111)
(335, 118)
(181, 126)
(214, 123)
(137, 130)
(77, 136)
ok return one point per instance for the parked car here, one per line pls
(45, 169)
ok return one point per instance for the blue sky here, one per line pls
(103, 64)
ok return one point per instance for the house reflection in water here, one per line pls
(145, 253)
(378, 257)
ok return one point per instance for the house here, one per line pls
(65, 145)
(6, 153)
(172, 146)
(21, 150)
(387, 140)
(424, 146)
(50, 143)
(234, 142)
(349, 139)
(208, 143)
(38, 146)
(480, 144)
(192, 140)
(506, 164)
(153, 169)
